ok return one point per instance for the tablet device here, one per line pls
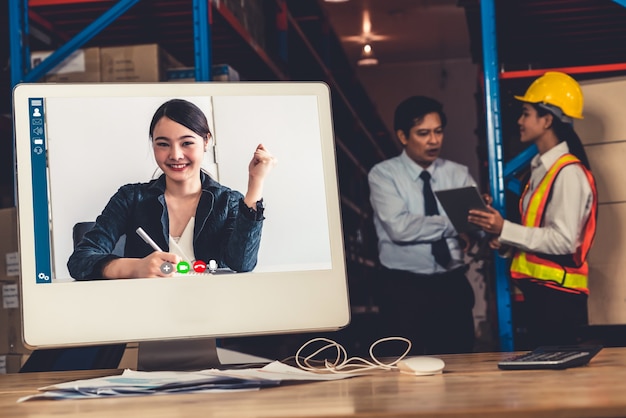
(457, 204)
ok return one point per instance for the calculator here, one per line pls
(552, 357)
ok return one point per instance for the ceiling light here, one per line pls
(335, 1)
(367, 56)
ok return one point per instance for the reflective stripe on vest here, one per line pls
(530, 266)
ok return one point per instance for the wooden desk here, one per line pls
(471, 386)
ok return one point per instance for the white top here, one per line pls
(566, 212)
(183, 245)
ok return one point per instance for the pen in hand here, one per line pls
(144, 236)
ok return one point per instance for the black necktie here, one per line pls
(440, 249)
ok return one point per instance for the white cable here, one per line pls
(344, 364)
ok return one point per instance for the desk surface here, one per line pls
(471, 386)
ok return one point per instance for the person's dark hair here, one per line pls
(413, 110)
(565, 132)
(186, 113)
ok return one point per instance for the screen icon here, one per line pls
(183, 267)
(199, 266)
(167, 268)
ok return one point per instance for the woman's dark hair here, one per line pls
(186, 113)
(565, 133)
(412, 111)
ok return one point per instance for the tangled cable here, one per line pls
(344, 364)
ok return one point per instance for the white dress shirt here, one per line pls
(565, 214)
(405, 233)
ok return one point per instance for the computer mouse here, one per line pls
(421, 365)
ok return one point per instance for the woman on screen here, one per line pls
(558, 209)
(185, 214)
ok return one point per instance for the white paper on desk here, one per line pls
(278, 372)
(133, 383)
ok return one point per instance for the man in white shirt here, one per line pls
(423, 296)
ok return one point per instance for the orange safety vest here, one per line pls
(543, 268)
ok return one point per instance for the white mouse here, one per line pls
(421, 365)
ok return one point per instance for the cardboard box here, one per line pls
(251, 16)
(11, 320)
(224, 72)
(81, 66)
(9, 258)
(10, 312)
(142, 63)
(220, 72)
(183, 74)
(236, 8)
(254, 20)
(12, 363)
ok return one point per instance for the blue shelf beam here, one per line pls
(494, 144)
(18, 39)
(515, 165)
(23, 74)
(202, 39)
(518, 162)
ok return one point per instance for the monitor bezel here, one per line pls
(115, 311)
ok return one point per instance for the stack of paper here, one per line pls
(135, 383)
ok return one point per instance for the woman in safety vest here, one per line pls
(558, 209)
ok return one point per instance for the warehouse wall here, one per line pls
(603, 131)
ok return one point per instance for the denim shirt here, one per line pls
(226, 230)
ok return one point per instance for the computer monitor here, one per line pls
(76, 144)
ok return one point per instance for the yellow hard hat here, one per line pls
(556, 89)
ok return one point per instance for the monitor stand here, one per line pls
(193, 354)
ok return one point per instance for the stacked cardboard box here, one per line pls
(12, 350)
(219, 72)
(81, 66)
(9, 260)
(255, 21)
(11, 363)
(142, 63)
(252, 17)
(224, 72)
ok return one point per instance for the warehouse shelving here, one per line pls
(301, 47)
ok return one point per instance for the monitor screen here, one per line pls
(77, 144)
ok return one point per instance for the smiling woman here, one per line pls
(184, 210)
